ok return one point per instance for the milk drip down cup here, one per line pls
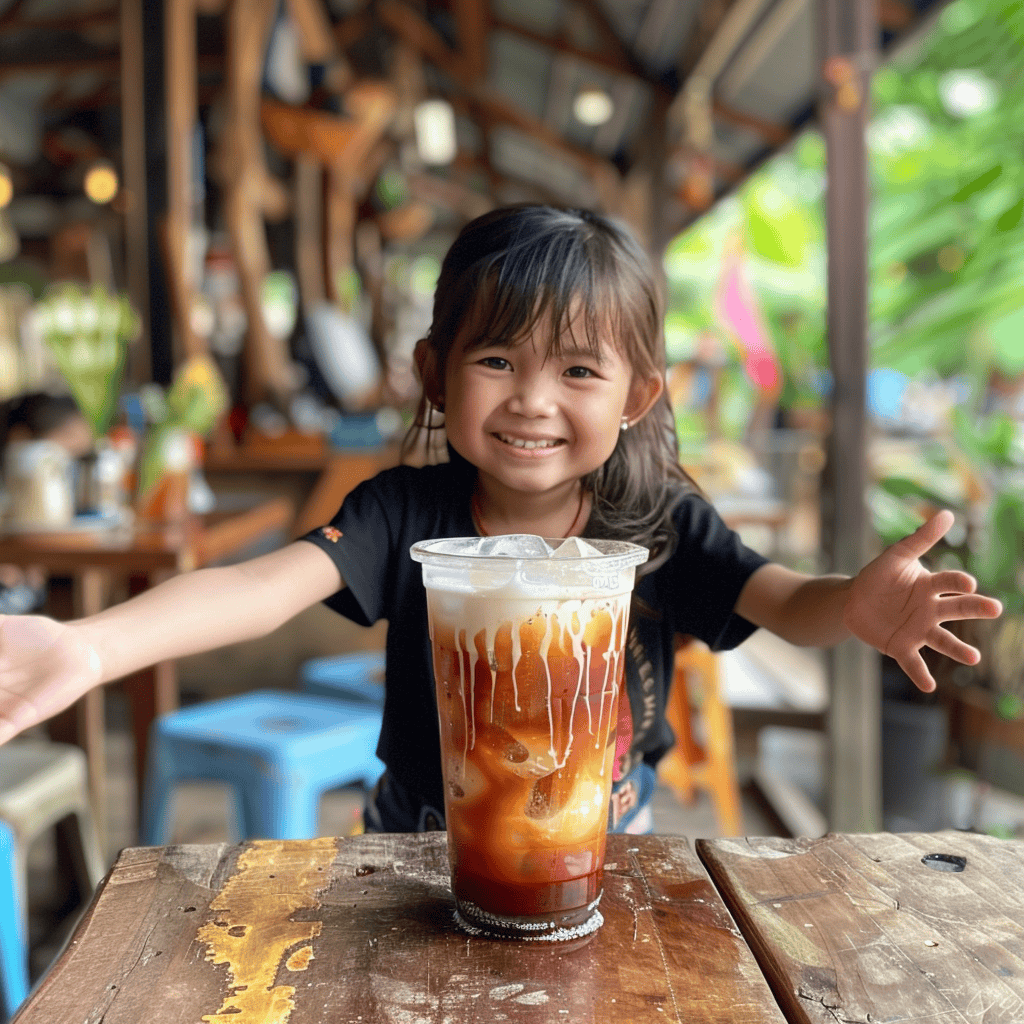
(528, 640)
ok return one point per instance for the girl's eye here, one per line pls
(495, 363)
(580, 372)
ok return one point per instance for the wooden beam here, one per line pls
(849, 31)
(894, 15)
(109, 65)
(419, 33)
(610, 39)
(776, 134)
(64, 23)
(251, 194)
(452, 195)
(314, 27)
(107, 95)
(603, 60)
(351, 29)
(724, 169)
(13, 13)
(473, 22)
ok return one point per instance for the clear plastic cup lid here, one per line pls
(509, 550)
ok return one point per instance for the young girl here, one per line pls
(544, 364)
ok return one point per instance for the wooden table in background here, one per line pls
(339, 931)
(857, 928)
(333, 471)
(145, 555)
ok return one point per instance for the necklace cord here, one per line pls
(474, 508)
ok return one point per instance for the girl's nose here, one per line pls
(532, 397)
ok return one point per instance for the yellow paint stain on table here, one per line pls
(273, 879)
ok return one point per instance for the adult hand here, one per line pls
(898, 606)
(45, 666)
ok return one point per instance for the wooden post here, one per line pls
(181, 92)
(849, 38)
(133, 172)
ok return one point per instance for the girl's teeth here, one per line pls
(517, 443)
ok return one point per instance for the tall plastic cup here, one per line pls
(528, 638)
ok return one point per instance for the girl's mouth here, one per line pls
(524, 444)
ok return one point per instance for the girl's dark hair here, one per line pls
(519, 265)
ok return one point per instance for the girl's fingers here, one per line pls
(917, 671)
(972, 606)
(925, 537)
(952, 581)
(942, 641)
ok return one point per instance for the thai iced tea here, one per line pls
(528, 686)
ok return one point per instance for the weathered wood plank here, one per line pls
(856, 928)
(362, 930)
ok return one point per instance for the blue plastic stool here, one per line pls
(349, 676)
(13, 945)
(279, 750)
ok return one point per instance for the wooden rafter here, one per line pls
(894, 15)
(415, 30)
(709, 17)
(603, 60)
(108, 65)
(610, 39)
(314, 29)
(351, 29)
(473, 21)
(776, 134)
(108, 94)
(13, 13)
(9, 24)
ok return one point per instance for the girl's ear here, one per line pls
(426, 363)
(643, 393)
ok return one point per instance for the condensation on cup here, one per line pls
(528, 639)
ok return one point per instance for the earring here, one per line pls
(624, 425)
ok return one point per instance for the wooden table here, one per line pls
(855, 928)
(339, 931)
(335, 470)
(847, 929)
(145, 555)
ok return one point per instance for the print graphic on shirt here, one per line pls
(638, 678)
(332, 533)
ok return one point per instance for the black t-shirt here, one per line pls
(693, 592)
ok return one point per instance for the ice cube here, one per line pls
(575, 547)
(514, 545)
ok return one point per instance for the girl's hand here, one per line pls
(45, 666)
(898, 606)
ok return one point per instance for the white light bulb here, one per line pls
(593, 107)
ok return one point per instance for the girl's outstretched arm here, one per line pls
(894, 604)
(45, 666)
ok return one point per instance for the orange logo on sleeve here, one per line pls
(332, 533)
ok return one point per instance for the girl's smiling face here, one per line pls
(533, 417)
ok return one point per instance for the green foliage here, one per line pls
(87, 331)
(947, 216)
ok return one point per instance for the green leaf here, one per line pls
(1012, 217)
(982, 181)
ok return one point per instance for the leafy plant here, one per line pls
(87, 330)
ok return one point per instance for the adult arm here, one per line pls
(45, 666)
(894, 604)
